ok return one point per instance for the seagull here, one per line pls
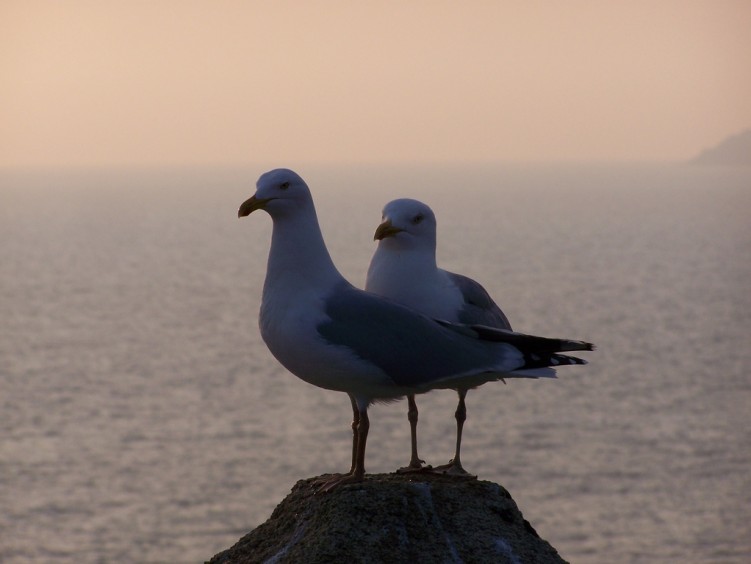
(404, 269)
(337, 337)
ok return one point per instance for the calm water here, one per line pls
(143, 419)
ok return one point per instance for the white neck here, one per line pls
(400, 273)
(298, 259)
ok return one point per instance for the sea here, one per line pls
(142, 418)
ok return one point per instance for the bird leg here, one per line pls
(323, 483)
(357, 472)
(415, 463)
(362, 438)
(454, 467)
(355, 424)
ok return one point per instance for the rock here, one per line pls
(394, 518)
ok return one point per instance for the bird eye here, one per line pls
(417, 219)
(284, 185)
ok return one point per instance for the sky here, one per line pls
(148, 83)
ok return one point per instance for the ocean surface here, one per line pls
(143, 420)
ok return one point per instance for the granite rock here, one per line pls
(394, 518)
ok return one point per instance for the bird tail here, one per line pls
(540, 355)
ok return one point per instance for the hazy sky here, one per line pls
(214, 82)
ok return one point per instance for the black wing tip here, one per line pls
(566, 360)
(577, 346)
(555, 360)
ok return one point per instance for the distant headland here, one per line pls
(734, 151)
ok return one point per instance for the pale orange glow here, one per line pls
(184, 82)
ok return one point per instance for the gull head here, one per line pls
(406, 223)
(278, 192)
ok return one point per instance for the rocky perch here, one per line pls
(394, 518)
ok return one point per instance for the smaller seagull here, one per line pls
(334, 336)
(404, 268)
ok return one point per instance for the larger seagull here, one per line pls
(334, 336)
(404, 268)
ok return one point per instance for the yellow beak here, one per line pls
(386, 229)
(252, 204)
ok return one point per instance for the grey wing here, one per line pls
(479, 308)
(411, 348)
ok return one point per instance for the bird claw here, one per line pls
(415, 467)
(330, 484)
(453, 469)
